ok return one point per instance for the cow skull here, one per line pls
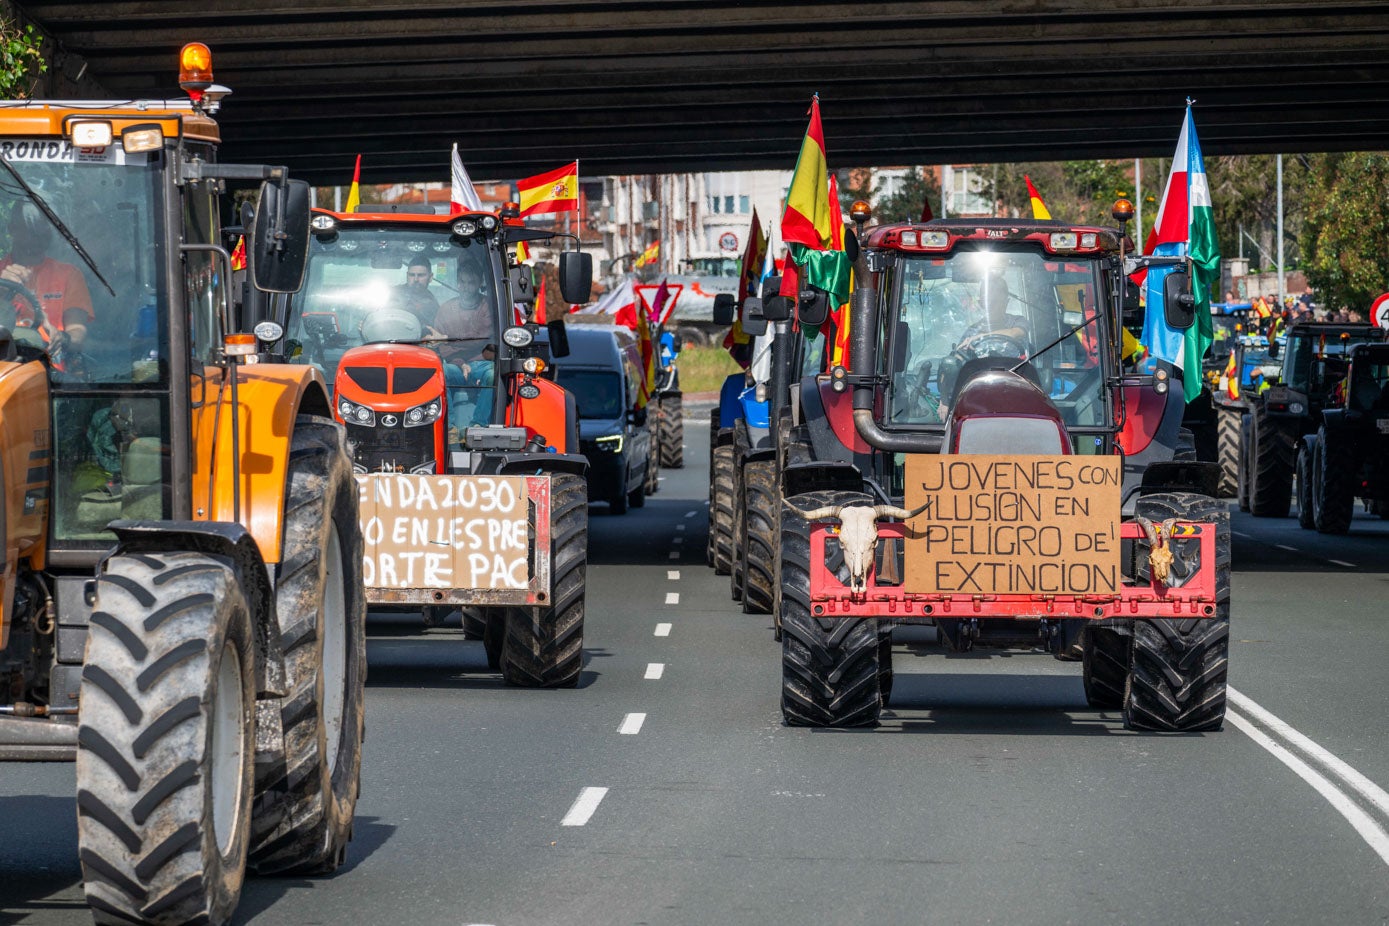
(858, 533)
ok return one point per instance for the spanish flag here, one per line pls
(1261, 307)
(807, 225)
(649, 256)
(1039, 208)
(354, 195)
(523, 252)
(1231, 378)
(556, 191)
(538, 315)
(238, 255)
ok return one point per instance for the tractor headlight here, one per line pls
(421, 415)
(352, 413)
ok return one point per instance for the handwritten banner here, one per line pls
(1013, 524)
(444, 531)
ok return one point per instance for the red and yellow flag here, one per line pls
(1039, 208)
(523, 252)
(1231, 377)
(555, 191)
(649, 256)
(647, 347)
(354, 195)
(838, 321)
(539, 314)
(1261, 307)
(807, 219)
(238, 254)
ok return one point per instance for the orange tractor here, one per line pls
(181, 570)
(473, 492)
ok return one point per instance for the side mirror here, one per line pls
(1133, 305)
(1177, 301)
(637, 416)
(575, 276)
(278, 252)
(770, 287)
(754, 318)
(775, 309)
(725, 307)
(559, 338)
(813, 307)
(851, 248)
(523, 285)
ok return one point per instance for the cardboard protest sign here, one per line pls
(1013, 524)
(444, 532)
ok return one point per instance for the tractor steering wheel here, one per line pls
(28, 334)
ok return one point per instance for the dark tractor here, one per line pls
(1348, 456)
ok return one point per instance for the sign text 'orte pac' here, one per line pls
(444, 531)
(1013, 525)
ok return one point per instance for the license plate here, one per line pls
(1383, 425)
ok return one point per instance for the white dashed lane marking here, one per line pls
(1341, 562)
(677, 540)
(690, 514)
(654, 670)
(662, 630)
(673, 575)
(1284, 546)
(674, 554)
(672, 597)
(680, 527)
(584, 806)
(631, 724)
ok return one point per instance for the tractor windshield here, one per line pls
(1317, 358)
(405, 285)
(973, 309)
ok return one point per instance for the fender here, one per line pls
(25, 475)
(547, 416)
(235, 546)
(528, 464)
(797, 478)
(270, 398)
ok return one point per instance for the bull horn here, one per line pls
(825, 511)
(892, 511)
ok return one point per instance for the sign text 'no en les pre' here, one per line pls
(1013, 524)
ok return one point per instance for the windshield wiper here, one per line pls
(1063, 337)
(52, 217)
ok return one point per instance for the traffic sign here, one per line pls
(1379, 311)
(646, 292)
(728, 241)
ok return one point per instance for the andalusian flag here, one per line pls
(354, 195)
(1039, 208)
(1185, 227)
(556, 191)
(807, 225)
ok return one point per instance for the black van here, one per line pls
(603, 371)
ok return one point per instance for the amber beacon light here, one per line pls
(195, 68)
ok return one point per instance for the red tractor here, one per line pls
(989, 464)
(473, 491)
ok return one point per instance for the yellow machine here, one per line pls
(181, 573)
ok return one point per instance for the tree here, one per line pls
(919, 185)
(1345, 227)
(21, 61)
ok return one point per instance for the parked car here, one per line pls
(603, 371)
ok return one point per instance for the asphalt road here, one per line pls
(990, 794)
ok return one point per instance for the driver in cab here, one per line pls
(997, 321)
(59, 287)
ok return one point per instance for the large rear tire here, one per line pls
(829, 668)
(1333, 483)
(1227, 450)
(166, 735)
(1306, 505)
(1270, 494)
(544, 647)
(723, 509)
(1178, 678)
(1246, 461)
(759, 535)
(306, 797)
(1105, 667)
(671, 430)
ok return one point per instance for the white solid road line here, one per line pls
(631, 724)
(662, 630)
(584, 806)
(1358, 782)
(1341, 562)
(673, 575)
(1371, 832)
(654, 670)
(672, 597)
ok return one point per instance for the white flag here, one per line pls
(463, 195)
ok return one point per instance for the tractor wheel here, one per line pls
(165, 738)
(739, 522)
(758, 550)
(1333, 482)
(1246, 461)
(1227, 450)
(829, 668)
(1306, 511)
(1179, 665)
(1105, 667)
(474, 623)
(492, 636)
(544, 647)
(671, 429)
(306, 796)
(885, 664)
(723, 509)
(1270, 491)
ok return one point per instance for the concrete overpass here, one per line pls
(679, 85)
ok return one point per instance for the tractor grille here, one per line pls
(391, 450)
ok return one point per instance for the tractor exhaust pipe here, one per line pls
(863, 331)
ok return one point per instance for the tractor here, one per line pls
(182, 571)
(1348, 456)
(1314, 361)
(473, 488)
(1249, 368)
(987, 463)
